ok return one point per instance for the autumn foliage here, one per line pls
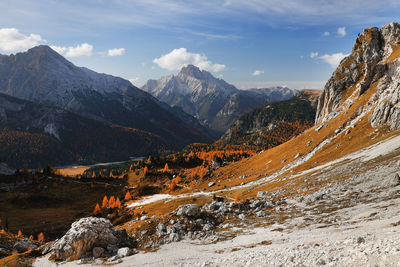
(166, 169)
(41, 237)
(96, 209)
(173, 184)
(128, 196)
(111, 202)
(118, 203)
(105, 202)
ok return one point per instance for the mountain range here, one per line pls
(44, 77)
(212, 101)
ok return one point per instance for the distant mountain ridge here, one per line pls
(34, 134)
(211, 100)
(43, 76)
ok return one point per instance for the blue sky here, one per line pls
(250, 43)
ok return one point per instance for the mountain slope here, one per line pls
(211, 100)
(274, 123)
(43, 76)
(33, 134)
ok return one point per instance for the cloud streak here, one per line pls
(178, 58)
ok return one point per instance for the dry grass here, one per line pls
(39, 210)
(72, 171)
(395, 53)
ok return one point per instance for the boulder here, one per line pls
(161, 230)
(97, 252)
(189, 210)
(208, 227)
(261, 213)
(24, 245)
(124, 252)
(88, 237)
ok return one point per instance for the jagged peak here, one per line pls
(372, 64)
(44, 50)
(194, 71)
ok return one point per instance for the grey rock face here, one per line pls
(44, 76)
(366, 65)
(87, 237)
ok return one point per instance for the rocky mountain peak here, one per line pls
(373, 59)
(195, 72)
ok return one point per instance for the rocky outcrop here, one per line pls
(90, 237)
(189, 210)
(258, 127)
(367, 64)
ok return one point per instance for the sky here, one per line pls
(249, 43)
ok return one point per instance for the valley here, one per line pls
(189, 170)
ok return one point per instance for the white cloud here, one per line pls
(180, 57)
(258, 72)
(116, 52)
(59, 49)
(333, 59)
(134, 80)
(12, 40)
(341, 31)
(77, 51)
(313, 54)
(326, 34)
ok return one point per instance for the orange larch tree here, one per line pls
(173, 184)
(128, 196)
(41, 237)
(111, 202)
(105, 202)
(118, 203)
(166, 169)
(96, 209)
